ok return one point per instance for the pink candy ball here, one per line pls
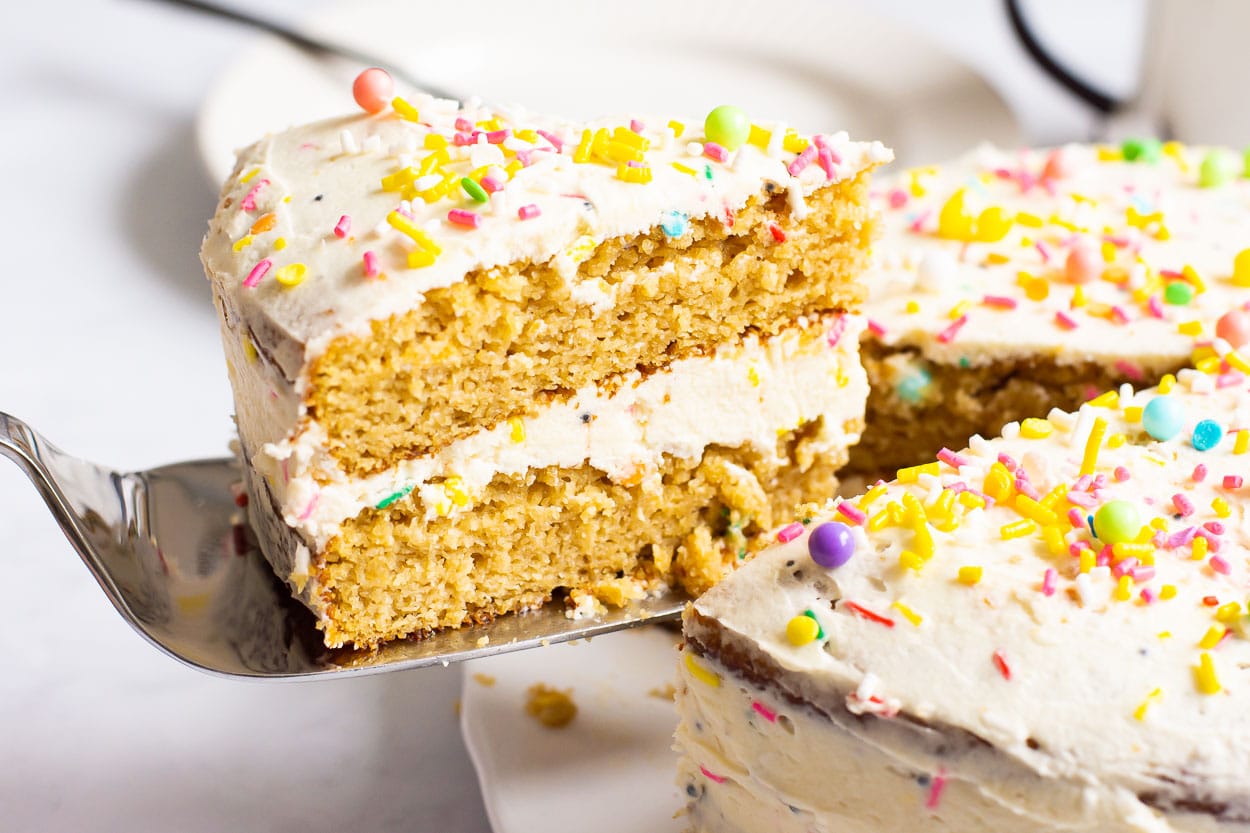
(1234, 327)
(373, 89)
(1083, 265)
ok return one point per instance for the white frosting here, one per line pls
(1093, 202)
(1072, 687)
(743, 394)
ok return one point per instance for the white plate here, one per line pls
(821, 65)
(611, 770)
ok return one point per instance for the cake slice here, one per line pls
(480, 357)
(1009, 282)
(1047, 631)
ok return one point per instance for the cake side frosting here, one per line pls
(1076, 253)
(1069, 598)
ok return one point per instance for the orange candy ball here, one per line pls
(1083, 265)
(1234, 327)
(373, 90)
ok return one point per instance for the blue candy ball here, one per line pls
(1163, 418)
(1207, 435)
(831, 544)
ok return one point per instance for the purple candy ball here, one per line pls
(831, 544)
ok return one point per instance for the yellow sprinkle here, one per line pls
(279, 244)
(1242, 443)
(249, 176)
(923, 542)
(1126, 549)
(1133, 413)
(1211, 364)
(753, 376)
(871, 496)
(516, 430)
(628, 173)
(1093, 445)
(1108, 256)
(1140, 711)
(1195, 280)
(677, 127)
(1031, 509)
(1052, 498)
(759, 137)
(685, 169)
(1205, 678)
(972, 501)
(249, 351)
(1124, 589)
(1029, 220)
(291, 275)
(913, 307)
(970, 575)
(700, 673)
(1165, 634)
(1221, 507)
(997, 258)
(910, 560)
(405, 110)
(1212, 637)
(242, 243)
(1034, 428)
(911, 474)
(801, 630)
(1203, 352)
(1116, 440)
(435, 141)
(1237, 361)
(406, 226)
(512, 168)
(880, 520)
(1078, 298)
(1198, 548)
(908, 614)
(1190, 328)
(1018, 529)
(1160, 524)
(1167, 383)
(998, 483)
(1228, 613)
(958, 310)
(1088, 560)
(943, 504)
(420, 258)
(794, 143)
(1109, 399)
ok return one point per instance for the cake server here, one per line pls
(172, 551)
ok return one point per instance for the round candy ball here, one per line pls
(727, 126)
(1084, 264)
(831, 544)
(1217, 169)
(801, 630)
(1178, 293)
(1234, 327)
(1058, 165)
(1163, 417)
(373, 89)
(1207, 435)
(1117, 521)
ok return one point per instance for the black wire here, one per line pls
(1100, 101)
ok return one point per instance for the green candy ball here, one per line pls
(727, 126)
(1142, 150)
(1217, 169)
(1117, 521)
(1178, 293)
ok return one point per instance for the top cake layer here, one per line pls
(371, 213)
(1056, 617)
(1081, 254)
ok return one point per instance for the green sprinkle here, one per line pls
(1142, 150)
(1178, 293)
(964, 363)
(1217, 169)
(820, 632)
(707, 171)
(387, 501)
(742, 553)
(1245, 162)
(474, 190)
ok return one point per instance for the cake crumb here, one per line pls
(484, 680)
(667, 692)
(483, 641)
(551, 707)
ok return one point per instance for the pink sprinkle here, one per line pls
(1228, 380)
(824, 157)
(948, 335)
(405, 210)
(632, 164)
(715, 152)
(1142, 573)
(491, 185)
(528, 212)
(1219, 565)
(852, 513)
(1155, 306)
(1083, 483)
(498, 137)
(1181, 537)
(897, 198)
(1214, 542)
(464, 139)
(1076, 547)
(1000, 662)
(1027, 489)
(1075, 517)
(789, 532)
(1118, 242)
(1129, 370)
(343, 226)
(764, 712)
(308, 510)
(836, 329)
(1103, 559)
(258, 271)
(1119, 315)
(801, 161)
(1084, 499)
(461, 217)
(876, 328)
(1049, 580)
(1232, 481)
(1148, 595)
(823, 144)
(1066, 321)
(719, 779)
(371, 265)
(951, 459)
(1170, 273)
(917, 225)
(463, 124)
(526, 157)
(248, 203)
(1121, 474)
(636, 126)
(935, 790)
(999, 302)
(1043, 251)
(555, 140)
(1214, 527)
(1124, 567)
(1200, 473)
(1184, 506)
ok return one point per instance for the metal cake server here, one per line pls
(173, 553)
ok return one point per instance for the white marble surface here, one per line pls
(109, 346)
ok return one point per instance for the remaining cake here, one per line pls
(1010, 282)
(1047, 631)
(480, 357)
